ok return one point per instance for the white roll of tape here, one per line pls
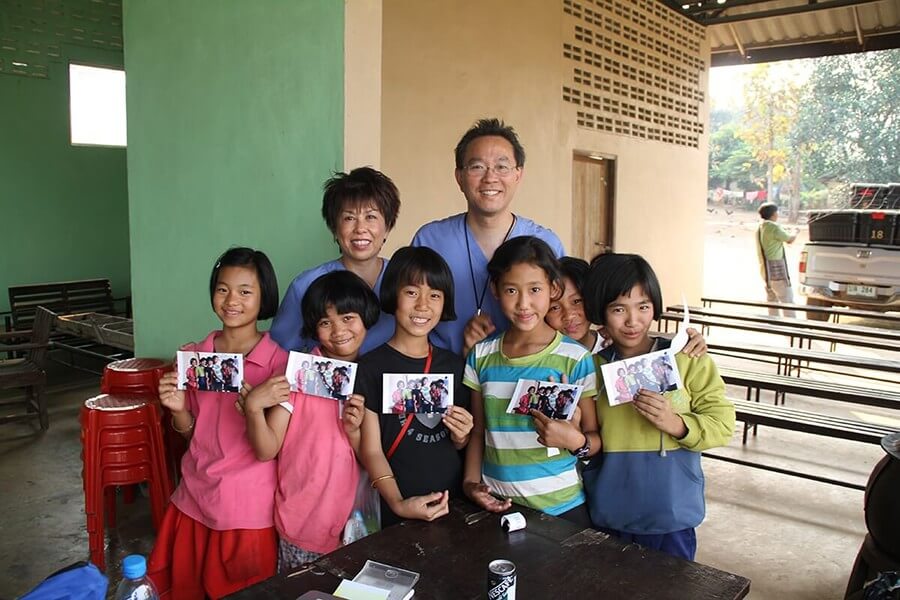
(512, 522)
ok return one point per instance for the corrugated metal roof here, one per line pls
(763, 30)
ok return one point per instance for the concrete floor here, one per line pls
(792, 537)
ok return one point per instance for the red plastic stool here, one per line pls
(140, 376)
(122, 444)
(134, 376)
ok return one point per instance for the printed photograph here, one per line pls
(320, 376)
(656, 372)
(416, 393)
(556, 400)
(210, 371)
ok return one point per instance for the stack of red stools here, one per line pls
(122, 444)
(140, 376)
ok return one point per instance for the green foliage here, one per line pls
(730, 159)
(840, 125)
(852, 112)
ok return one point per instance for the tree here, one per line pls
(770, 113)
(851, 117)
(730, 159)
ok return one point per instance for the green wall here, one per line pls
(235, 118)
(63, 209)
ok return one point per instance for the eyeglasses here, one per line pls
(481, 169)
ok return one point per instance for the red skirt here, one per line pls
(190, 561)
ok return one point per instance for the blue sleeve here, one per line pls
(556, 244)
(552, 240)
(417, 239)
(288, 321)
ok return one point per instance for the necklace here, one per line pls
(479, 298)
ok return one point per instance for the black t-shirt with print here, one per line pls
(426, 460)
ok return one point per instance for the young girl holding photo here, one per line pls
(567, 315)
(217, 535)
(413, 459)
(648, 489)
(510, 455)
(317, 470)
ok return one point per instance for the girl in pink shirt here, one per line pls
(218, 533)
(315, 442)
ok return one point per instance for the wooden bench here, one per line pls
(828, 311)
(783, 384)
(856, 330)
(64, 298)
(757, 413)
(793, 333)
(788, 359)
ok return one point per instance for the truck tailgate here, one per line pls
(862, 264)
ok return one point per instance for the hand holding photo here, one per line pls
(320, 376)
(656, 371)
(210, 371)
(416, 393)
(556, 400)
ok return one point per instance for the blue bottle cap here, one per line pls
(134, 566)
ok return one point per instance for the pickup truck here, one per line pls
(853, 258)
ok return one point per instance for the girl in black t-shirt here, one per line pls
(413, 459)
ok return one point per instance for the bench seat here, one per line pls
(783, 384)
(757, 413)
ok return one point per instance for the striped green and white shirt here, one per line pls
(515, 465)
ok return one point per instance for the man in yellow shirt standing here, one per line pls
(770, 238)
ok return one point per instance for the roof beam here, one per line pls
(859, 34)
(780, 12)
(737, 41)
(805, 50)
(713, 6)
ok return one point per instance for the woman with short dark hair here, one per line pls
(360, 209)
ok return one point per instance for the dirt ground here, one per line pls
(731, 269)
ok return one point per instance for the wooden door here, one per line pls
(592, 206)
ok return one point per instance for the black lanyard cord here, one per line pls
(479, 299)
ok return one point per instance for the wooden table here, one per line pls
(109, 330)
(554, 559)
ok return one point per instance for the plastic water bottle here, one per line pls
(355, 529)
(135, 585)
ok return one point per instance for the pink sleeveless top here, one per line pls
(223, 485)
(317, 475)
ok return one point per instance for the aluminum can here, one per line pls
(501, 580)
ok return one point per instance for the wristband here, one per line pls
(584, 450)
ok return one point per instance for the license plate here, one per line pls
(867, 291)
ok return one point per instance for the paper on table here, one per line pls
(353, 590)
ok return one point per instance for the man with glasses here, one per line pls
(490, 162)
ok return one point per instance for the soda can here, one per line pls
(501, 580)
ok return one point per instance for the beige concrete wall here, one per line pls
(447, 64)
(362, 83)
